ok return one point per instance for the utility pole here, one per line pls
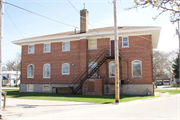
(1, 29)
(116, 42)
(179, 53)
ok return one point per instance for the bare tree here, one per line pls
(162, 64)
(172, 6)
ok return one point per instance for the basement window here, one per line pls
(46, 88)
(30, 87)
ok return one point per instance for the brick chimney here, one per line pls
(84, 21)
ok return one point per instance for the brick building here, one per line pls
(83, 61)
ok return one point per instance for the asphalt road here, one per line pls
(160, 108)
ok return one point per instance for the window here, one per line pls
(31, 49)
(65, 69)
(92, 65)
(29, 87)
(30, 71)
(112, 69)
(47, 47)
(125, 42)
(136, 68)
(46, 71)
(92, 44)
(66, 46)
(46, 88)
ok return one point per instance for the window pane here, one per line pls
(47, 71)
(65, 69)
(30, 71)
(92, 65)
(46, 88)
(30, 88)
(125, 42)
(47, 48)
(137, 69)
(112, 69)
(66, 46)
(31, 49)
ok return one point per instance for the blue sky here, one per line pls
(100, 15)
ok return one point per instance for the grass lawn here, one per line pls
(14, 93)
(169, 91)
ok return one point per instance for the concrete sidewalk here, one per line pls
(166, 87)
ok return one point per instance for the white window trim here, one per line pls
(62, 69)
(132, 69)
(49, 71)
(43, 88)
(32, 87)
(28, 72)
(28, 49)
(69, 46)
(92, 48)
(122, 42)
(109, 70)
(49, 50)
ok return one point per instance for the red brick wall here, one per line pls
(98, 87)
(139, 49)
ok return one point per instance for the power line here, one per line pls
(14, 24)
(59, 9)
(39, 14)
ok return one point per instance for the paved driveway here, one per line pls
(160, 108)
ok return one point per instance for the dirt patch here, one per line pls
(162, 94)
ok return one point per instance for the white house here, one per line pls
(9, 78)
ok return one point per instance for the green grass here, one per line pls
(175, 85)
(169, 91)
(14, 93)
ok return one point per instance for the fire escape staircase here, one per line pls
(100, 58)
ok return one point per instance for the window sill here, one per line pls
(93, 49)
(65, 74)
(65, 50)
(30, 53)
(111, 76)
(137, 77)
(47, 52)
(30, 78)
(47, 78)
(125, 47)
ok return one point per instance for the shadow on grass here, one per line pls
(105, 99)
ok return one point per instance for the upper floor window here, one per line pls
(47, 47)
(112, 69)
(46, 71)
(66, 46)
(30, 71)
(136, 68)
(92, 44)
(65, 69)
(125, 42)
(92, 65)
(31, 49)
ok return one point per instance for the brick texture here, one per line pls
(140, 48)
